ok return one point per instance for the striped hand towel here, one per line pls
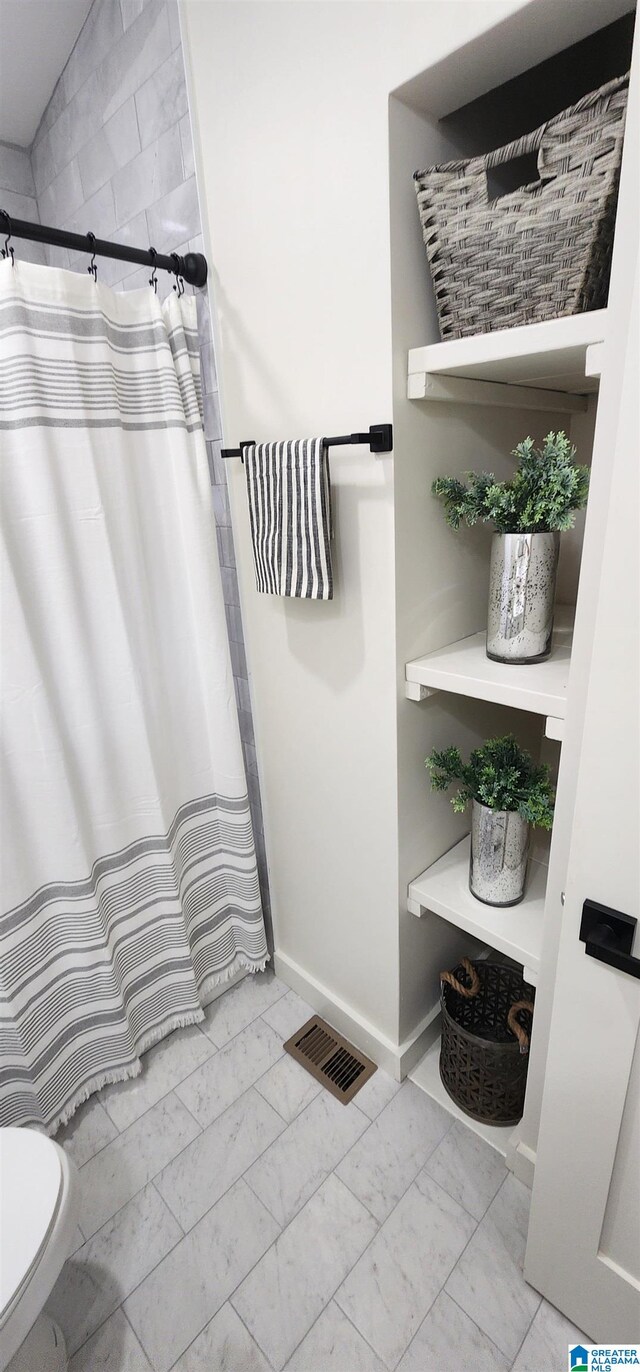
(290, 510)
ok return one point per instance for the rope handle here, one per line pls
(516, 1028)
(465, 991)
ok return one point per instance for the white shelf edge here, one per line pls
(549, 339)
(434, 891)
(427, 672)
(426, 1075)
(458, 390)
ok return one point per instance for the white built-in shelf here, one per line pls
(426, 1075)
(464, 669)
(553, 366)
(515, 930)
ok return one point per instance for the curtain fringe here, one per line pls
(131, 1070)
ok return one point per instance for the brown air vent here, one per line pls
(330, 1059)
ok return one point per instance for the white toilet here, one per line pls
(38, 1204)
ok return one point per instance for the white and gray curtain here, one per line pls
(128, 862)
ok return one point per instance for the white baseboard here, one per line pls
(521, 1159)
(396, 1058)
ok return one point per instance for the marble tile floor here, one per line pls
(234, 1217)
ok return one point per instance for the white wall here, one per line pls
(291, 102)
(291, 107)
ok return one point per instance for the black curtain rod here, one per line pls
(379, 439)
(192, 267)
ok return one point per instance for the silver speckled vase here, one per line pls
(499, 855)
(522, 588)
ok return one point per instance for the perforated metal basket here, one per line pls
(538, 252)
(487, 1012)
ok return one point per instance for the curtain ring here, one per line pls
(7, 251)
(179, 282)
(153, 279)
(92, 268)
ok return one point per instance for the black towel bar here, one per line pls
(379, 439)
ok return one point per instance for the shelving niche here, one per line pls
(460, 405)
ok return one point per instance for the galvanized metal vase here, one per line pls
(499, 855)
(522, 588)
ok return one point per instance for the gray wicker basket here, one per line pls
(538, 252)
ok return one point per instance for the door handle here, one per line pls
(608, 936)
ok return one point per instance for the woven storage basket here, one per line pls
(487, 1009)
(538, 252)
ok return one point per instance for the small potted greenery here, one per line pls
(529, 512)
(508, 795)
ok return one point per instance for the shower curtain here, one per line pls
(128, 862)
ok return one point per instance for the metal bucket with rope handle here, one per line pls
(487, 1013)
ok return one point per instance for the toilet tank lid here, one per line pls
(30, 1186)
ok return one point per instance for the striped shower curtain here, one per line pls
(128, 863)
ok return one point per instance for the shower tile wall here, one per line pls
(17, 193)
(113, 154)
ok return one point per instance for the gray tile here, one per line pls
(334, 1345)
(221, 509)
(547, 1340)
(377, 1092)
(162, 101)
(288, 1014)
(468, 1168)
(89, 1130)
(391, 1288)
(288, 1088)
(100, 31)
(196, 1179)
(173, 1304)
(19, 207)
(112, 147)
(253, 996)
(174, 22)
(164, 1067)
(62, 196)
(15, 170)
(53, 111)
(231, 595)
(98, 211)
(391, 1154)
(250, 755)
(288, 1289)
(220, 1081)
(42, 166)
(293, 1167)
(175, 217)
(234, 623)
(130, 10)
(212, 422)
(245, 720)
(96, 1280)
(77, 1241)
(223, 1346)
(78, 121)
(448, 1333)
(148, 177)
(113, 1348)
(487, 1282)
(144, 46)
(237, 650)
(209, 370)
(132, 1159)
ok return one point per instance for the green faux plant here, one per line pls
(542, 497)
(500, 775)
